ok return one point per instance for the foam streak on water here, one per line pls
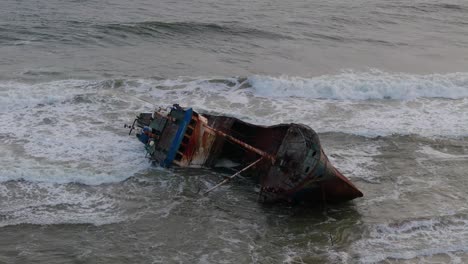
(48, 203)
(414, 238)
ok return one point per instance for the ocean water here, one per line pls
(383, 82)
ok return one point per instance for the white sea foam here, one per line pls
(338, 256)
(434, 154)
(345, 86)
(356, 161)
(413, 238)
(75, 137)
(363, 86)
(49, 203)
(292, 257)
(428, 105)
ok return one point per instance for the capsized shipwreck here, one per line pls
(286, 160)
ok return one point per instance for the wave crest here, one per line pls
(152, 28)
(364, 86)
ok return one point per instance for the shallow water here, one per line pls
(384, 83)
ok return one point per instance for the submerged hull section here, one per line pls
(292, 164)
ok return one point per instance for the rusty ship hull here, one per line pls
(290, 164)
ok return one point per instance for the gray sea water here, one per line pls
(383, 82)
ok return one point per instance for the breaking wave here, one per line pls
(364, 86)
(372, 85)
(64, 131)
(368, 104)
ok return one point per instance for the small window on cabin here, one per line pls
(307, 169)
